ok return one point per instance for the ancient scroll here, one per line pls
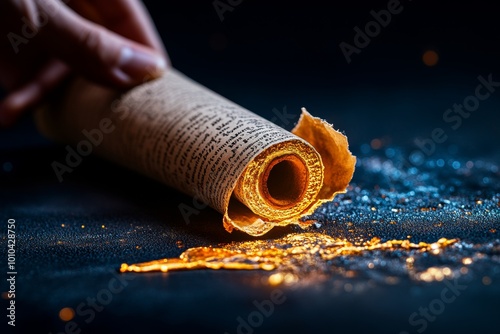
(172, 129)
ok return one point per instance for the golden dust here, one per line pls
(179, 244)
(486, 280)
(447, 271)
(371, 265)
(267, 266)
(435, 274)
(83, 226)
(138, 247)
(290, 278)
(102, 226)
(373, 208)
(350, 274)
(392, 280)
(493, 230)
(479, 202)
(276, 279)
(480, 255)
(467, 260)
(66, 314)
(62, 225)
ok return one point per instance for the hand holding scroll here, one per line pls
(112, 42)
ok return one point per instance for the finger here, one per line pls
(32, 93)
(129, 18)
(96, 52)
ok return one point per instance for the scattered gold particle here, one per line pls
(138, 247)
(290, 278)
(276, 279)
(292, 253)
(479, 202)
(493, 230)
(371, 265)
(486, 280)
(350, 274)
(66, 314)
(179, 244)
(102, 226)
(83, 226)
(374, 208)
(466, 260)
(392, 280)
(435, 274)
(62, 225)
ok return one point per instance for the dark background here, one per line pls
(266, 55)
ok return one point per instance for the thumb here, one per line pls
(96, 52)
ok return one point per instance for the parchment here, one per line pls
(172, 129)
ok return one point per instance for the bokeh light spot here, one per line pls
(430, 58)
(66, 314)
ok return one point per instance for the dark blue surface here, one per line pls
(63, 266)
(266, 57)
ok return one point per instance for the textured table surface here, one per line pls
(73, 236)
(274, 59)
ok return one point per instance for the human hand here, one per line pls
(111, 42)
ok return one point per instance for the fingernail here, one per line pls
(136, 66)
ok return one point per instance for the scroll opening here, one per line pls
(285, 181)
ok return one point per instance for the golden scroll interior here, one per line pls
(291, 179)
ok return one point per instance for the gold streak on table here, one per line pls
(289, 251)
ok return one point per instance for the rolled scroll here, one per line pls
(174, 130)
